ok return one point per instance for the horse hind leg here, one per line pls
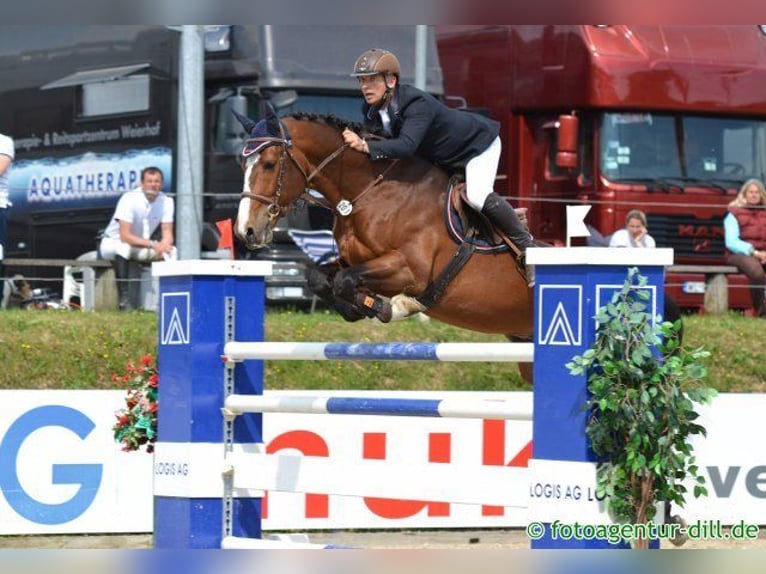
(526, 370)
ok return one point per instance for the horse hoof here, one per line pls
(680, 538)
(385, 314)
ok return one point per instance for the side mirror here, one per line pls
(566, 156)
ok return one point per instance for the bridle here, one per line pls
(275, 210)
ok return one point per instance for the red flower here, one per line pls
(136, 425)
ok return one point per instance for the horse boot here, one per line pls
(374, 306)
(504, 217)
(122, 277)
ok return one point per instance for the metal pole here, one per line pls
(190, 146)
(421, 52)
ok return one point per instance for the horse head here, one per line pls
(273, 178)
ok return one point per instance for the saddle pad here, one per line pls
(455, 226)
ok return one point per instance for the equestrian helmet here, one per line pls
(376, 61)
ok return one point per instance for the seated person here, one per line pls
(129, 234)
(745, 235)
(634, 234)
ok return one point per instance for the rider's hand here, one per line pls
(354, 141)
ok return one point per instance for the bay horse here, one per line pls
(389, 228)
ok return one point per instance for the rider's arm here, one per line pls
(416, 118)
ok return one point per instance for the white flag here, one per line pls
(575, 221)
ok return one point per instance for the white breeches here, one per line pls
(480, 174)
(110, 248)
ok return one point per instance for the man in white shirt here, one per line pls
(129, 234)
(6, 158)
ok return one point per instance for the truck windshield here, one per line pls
(680, 149)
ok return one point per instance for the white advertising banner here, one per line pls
(62, 472)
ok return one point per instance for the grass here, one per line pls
(68, 350)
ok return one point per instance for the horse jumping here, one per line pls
(389, 227)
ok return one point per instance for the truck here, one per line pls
(90, 106)
(667, 119)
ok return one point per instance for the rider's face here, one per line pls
(374, 87)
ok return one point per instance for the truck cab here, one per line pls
(666, 119)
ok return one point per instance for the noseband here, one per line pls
(275, 210)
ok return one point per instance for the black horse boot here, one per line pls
(122, 277)
(504, 217)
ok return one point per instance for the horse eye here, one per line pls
(267, 165)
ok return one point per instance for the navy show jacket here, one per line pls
(423, 126)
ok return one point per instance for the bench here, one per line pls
(716, 284)
(91, 296)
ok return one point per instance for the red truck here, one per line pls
(667, 119)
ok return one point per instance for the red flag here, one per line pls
(227, 235)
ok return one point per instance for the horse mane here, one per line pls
(335, 122)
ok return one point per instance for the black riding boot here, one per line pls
(122, 277)
(504, 217)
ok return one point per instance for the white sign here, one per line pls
(565, 491)
(62, 472)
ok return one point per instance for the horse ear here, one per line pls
(246, 122)
(272, 121)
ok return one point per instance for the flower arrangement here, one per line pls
(136, 424)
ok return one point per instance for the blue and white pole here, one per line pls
(571, 285)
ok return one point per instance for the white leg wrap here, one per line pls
(403, 306)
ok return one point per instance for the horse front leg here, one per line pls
(320, 283)
(388, 274)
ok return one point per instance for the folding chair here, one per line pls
(318, 245)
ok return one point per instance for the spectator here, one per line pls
(131, 232)
(634, 234)
(6, 158)
(745, 235)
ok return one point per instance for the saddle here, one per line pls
(466, 225)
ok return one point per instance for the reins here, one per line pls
(275, 210)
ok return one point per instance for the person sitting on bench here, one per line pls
(129, 234)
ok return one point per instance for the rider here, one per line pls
(417, 124)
